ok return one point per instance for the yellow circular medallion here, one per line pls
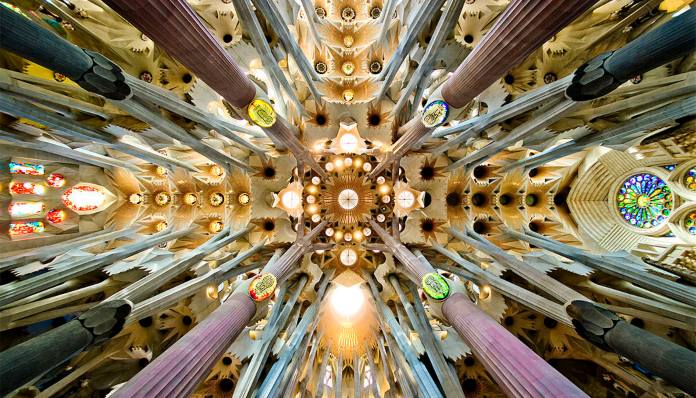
(435, 114)
(261, 113)
(262, 286)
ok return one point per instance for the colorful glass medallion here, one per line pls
(435, 286)
(26, 188)
(56, 216)
(644, 200)
(26, 209)
(55, 180)
(435, 113)
(26, 228)
(262, 286)
(690, 179)
(27, 169)
(83, 198)
(690, 223)
(216, 226)
(261, 113)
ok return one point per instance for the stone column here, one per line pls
(281, 268)
(415, 269)
(174, 26)
(606, 330)
(179, 370)
(88, 69)
(285, 137)
(522, 28)
(674, 39)
(623, 267)
(183, 366)
(518, 371)
(178, 30)
(30, 360)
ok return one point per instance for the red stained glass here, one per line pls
(56, 216)
(26, 228)
(83, 198)
(55, 180)
(26, 188)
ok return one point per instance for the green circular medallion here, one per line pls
(435, 286)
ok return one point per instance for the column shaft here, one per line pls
(522, 28)
(179, 370)
(175, 27)
(518, 370)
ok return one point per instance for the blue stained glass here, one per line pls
(644, 200)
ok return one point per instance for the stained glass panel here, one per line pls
(644, 200)
(690, 179)
(55, 180)
(26, 188)
(26, 209)
(56, 216)
(83, 198)
(690, 223)
(26, 228)
(27, 168)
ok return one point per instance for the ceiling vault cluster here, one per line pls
(347, 198)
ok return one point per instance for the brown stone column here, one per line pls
(175, 27)
(522, 28)
(183, 366)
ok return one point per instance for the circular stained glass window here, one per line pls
(690, 179)
(644, 201)
(690, 222)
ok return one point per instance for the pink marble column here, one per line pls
(518, 370)
(522, 28)
(183, 366)
(175, 27)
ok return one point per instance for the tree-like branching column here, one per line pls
(180, 369)
(600, 76)
(90, 70)
(517, 369)
(606, 330)
(30, 360)
(174, 26)
(527, 24)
